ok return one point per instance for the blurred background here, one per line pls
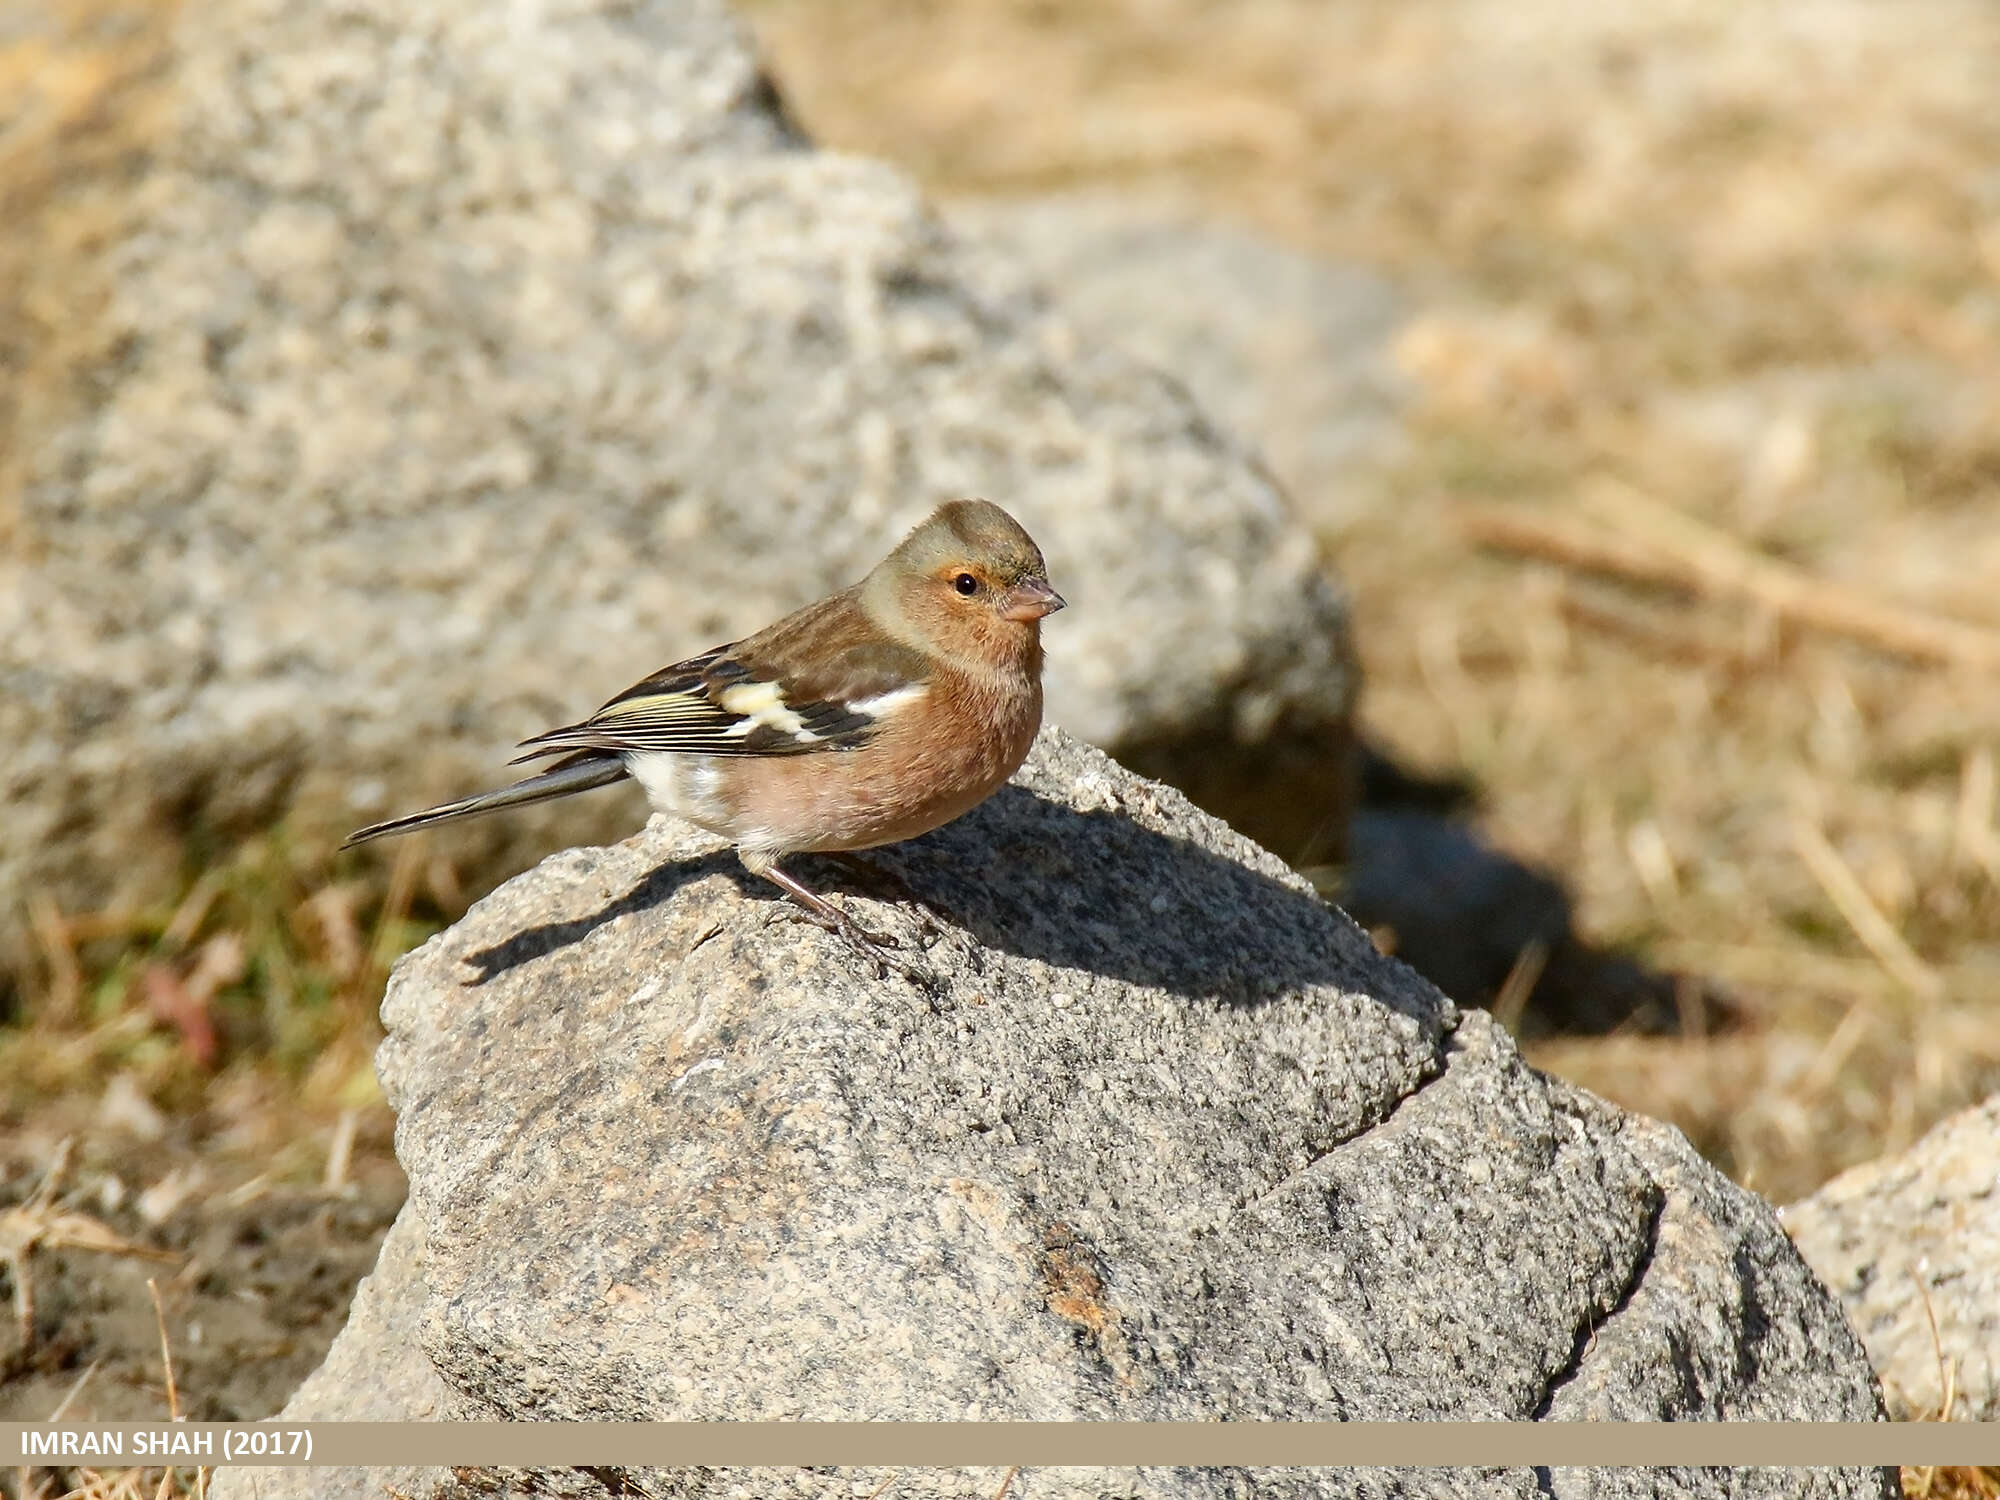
(1636, 368)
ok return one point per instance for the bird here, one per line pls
(871, 716)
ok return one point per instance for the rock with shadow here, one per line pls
(1166, 1140)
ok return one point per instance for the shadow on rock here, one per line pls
(658, 888)
(1090, 891)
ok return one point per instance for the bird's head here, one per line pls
(971, 581)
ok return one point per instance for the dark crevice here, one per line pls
(1440, 1065)
(1587, 1334)
(1545, 1482)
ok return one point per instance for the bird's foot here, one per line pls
(823, 914)
(874, 946)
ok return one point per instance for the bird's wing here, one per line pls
(821, 679)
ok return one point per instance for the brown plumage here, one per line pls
(874, 715)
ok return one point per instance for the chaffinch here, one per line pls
(878, 713)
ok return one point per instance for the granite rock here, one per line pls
(1912, 1239)
(1166, 1139)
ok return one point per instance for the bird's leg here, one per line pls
(869, 875)
(830, 918)
(823, 913)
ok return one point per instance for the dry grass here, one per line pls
(244, 1016)
(124, 1484)
(134, 1483)
(211, 1063)
(1963, 1482)
(1739, 264)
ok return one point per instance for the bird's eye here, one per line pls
(966, 584)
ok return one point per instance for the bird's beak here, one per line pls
(1030, 599)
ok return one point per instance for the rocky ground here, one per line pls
(254, 1275)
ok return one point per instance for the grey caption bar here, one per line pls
(1028, 1444)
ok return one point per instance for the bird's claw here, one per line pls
(871, 945)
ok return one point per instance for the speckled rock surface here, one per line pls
(1168, 1140)
(455, 365)
(1921, 1228)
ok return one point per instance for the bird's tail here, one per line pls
(577, 774)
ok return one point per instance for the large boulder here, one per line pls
(1167, 1139)
(412, 375)
(1911, 1244)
